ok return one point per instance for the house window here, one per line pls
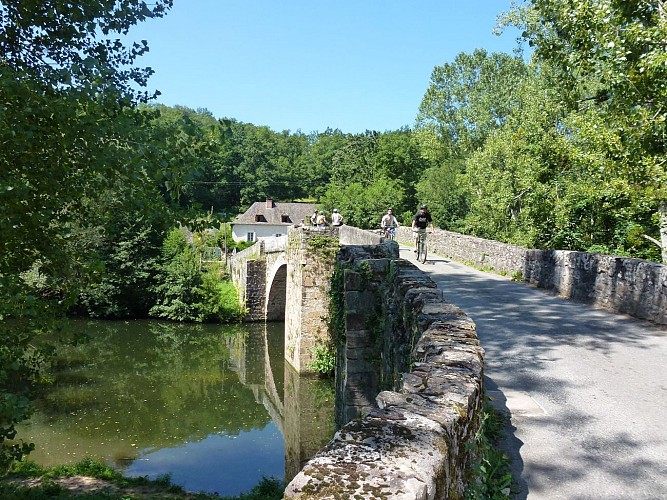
(285, 218)
(278, 235)
(260, 218)
(250, 237)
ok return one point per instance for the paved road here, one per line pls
(586, 389)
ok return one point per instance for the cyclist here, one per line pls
(420, 222)
(389, 224)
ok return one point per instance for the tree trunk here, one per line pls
(663, 230)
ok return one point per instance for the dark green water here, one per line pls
(216, 407)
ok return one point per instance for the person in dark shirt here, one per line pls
(420, 222)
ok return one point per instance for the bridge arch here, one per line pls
(287, 279)
(276, 286)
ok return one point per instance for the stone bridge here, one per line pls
(412, 439)
(288, 279)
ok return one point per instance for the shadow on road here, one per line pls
(598, 375)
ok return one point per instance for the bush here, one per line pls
(186, 291)
(219, 297)
(324, 360)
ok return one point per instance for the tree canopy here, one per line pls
(67, 122)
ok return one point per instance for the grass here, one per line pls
(92, 480)
(491, 474)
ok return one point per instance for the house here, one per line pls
(269, 218)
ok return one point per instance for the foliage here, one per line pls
(267, 489)
(219, 297)
(609, 62)
(179, 278)
(324, 360)
(324, 245)
(67, 115)
(364, 205)
(491, 476)
(442, 188)
(466, 101)
(188, 291)
(127, 244)
(336, 301)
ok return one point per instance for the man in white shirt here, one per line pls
(336, 218)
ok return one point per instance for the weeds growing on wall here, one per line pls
(337, 305)
(491, 478)
(324, 245)
(324, 359)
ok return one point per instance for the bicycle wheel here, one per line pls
(419, 248)
(424, 251)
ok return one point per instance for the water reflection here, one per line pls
(214, 406)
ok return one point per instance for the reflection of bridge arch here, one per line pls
(276, 297)
(293, 402)
(251, 360)
(274, 399)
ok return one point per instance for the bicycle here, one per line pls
(389, 232)
(422, 248)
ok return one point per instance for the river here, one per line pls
(213, 406)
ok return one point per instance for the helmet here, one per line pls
(389, 209)
(335, 210)
(424, 207)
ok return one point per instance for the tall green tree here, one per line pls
(466, 101)
(364, 204)
(67, 102)
(614, 53)
(398, 157)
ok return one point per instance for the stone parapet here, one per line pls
(400, 336)
(311, 256)
(631, 286)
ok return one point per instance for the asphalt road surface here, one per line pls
(586, 389)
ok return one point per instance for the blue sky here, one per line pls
(308, 65)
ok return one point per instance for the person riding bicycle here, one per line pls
(389, 223)
(420, 222)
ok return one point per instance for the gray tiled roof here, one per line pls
(294, 212)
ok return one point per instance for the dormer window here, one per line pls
(260, 218)
(285, 218)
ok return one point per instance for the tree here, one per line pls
(466, 101)
(398, 156)
(363, 205)
(66, 109)
(321, 150)
(186, 290)
(614, 53)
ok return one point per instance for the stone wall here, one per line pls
(248, 272)
(630, 286)
(310, 262)
(350, 235)
(410, 373)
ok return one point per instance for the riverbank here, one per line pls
(91, 480)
